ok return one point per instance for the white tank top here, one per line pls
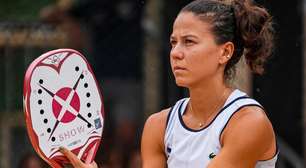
(188, 148)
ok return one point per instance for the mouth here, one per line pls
(177, 68)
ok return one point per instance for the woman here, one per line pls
(218, 126)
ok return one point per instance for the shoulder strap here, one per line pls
(233, 109)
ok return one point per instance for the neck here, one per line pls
(206, 99)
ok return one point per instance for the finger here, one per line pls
(93, 164)
(74, 160)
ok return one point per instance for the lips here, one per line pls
(179, 68)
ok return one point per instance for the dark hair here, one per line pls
(242, 22)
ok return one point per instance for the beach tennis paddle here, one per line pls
(63, 106)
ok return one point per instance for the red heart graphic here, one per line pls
(63, 106)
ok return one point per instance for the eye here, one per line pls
(173, 42)
(189, 42)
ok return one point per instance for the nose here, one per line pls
(177, 52)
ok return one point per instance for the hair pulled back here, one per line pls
(242, 22)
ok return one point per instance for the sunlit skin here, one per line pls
(195, 57)
(198, 63)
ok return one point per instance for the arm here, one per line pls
(152, 143)
(246, 139)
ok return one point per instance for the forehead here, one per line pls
(188, 23)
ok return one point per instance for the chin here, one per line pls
(181, 83)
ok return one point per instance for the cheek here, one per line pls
(171, 61)
(204, 61)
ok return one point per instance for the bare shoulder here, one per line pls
(157, 121)
(250, 129)
(159, 116)
(251, 117)
(155, 126)
(247, 138)
(152, 142)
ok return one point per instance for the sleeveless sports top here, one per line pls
(188, 148)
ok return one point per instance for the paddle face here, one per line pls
(63, 106)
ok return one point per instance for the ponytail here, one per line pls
(242, 22)
(254, 28)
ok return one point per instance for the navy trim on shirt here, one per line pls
(225, 107)
(168, 117)
(246, 105)
(170, 112)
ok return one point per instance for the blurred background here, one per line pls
(127, 43)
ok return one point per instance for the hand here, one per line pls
(75, 161)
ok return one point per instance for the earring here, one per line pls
(227, 56)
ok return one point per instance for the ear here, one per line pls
(227, 50)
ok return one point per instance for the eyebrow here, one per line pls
(184, 36)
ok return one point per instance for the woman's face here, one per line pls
(195, 56)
